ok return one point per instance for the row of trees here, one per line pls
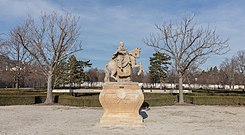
(50, 42)
(235, 68)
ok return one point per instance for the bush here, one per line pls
(80, 101)
(20, 93)
(188, 99)
(17, 100)
(242, 100)
(23, 99)
(216, 100)
(162, 100)
(218, 92)
(93, 101)
(153, 95)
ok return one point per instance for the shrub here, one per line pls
(242, 100)
(188, 99)
(155, 95)
(216, 100)
(93, 101)
(161, 101)
(17, 100)
(79, 101)
(20, 93)
(23, 99)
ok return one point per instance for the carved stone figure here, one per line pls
(120, 50)
(121, 100)
(121, 64)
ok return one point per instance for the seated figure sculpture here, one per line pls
(120, 50)
(121, 64)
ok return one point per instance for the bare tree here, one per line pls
(187, 44)
(3, 46)
(191, 75)
(54, 38)
(229, 67)
(240, 63)
(95, 75)
(18, 53)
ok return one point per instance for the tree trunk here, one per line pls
(181, 96)
(49, 98)
(161, 84)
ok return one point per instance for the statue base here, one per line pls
(121, 102)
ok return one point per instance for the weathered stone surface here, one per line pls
(121, 63)
(121, 103)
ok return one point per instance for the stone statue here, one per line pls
(121, 64)
(121, 100)
(120, 50)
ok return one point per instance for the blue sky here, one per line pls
(104, 23)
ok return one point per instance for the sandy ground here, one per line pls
(168, 120)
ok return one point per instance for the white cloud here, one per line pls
(16, 9)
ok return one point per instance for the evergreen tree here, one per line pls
(60, 77)
(76, 70)
(71, 71)
(158, 67)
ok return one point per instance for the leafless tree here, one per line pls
(18, 53)
(228, 66)
(95, 75)
(240, 63)
(49, 41)
(186, 44)
(3, 46)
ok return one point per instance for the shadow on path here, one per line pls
(144, 107)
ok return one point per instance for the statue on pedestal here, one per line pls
(121, 100)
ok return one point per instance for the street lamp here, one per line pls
(195, 83)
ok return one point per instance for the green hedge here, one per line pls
(217, 93)
(93, 101)
(17, 100)
(21, 99)
(21, 93)
(188, 99)
(162, 100)
(218, 100)
(242, 100)
(79, 101)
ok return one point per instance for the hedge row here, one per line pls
(21, 99)
(79, 101)
(21, 93)
(215, 100)
(93, 101)
(88, 101)
(162, 100)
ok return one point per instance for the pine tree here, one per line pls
(158, 67)
(76, 73)
(71, 71)
(60, 77)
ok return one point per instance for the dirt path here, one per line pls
(168, 120)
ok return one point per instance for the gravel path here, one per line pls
(167, 120)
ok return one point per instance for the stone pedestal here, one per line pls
(121, 102)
